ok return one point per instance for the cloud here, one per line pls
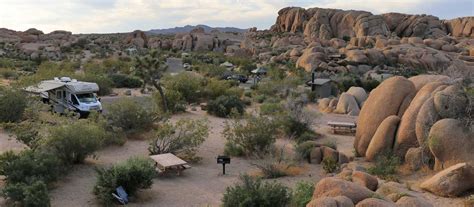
(89, 16)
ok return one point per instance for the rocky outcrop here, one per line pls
(137, 38)
(382, 141)
(391, 97)
(347, 104)
(332, 187)
(375, 202)
(451, 143)
(406, 135)
(359, 94)
(461, 27)
(452, 181)
(329, 23)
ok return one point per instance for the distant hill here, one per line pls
(188, 28)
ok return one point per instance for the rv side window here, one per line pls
(58, 94)
(74, 100)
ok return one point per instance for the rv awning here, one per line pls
(43, 87)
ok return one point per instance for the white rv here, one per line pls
(66, 94)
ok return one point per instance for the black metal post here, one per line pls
(223, 168)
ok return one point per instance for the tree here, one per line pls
(150, 69)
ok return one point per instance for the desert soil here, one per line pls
(203, 184)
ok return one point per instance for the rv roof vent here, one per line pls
(56, 78)
(65, 79)
(74, 80)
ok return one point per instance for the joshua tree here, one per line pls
(150, 69)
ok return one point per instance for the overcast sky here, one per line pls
(106, 16)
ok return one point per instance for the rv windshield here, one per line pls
(86, 98)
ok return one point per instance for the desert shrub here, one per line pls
(385, 165)
(254, 135)
(296, 122)
(254, 192)
(303, 149)
(215, 88)
(331, 144)
(125, 81)
(370, 85)
(271, 170)
(73, 142)
(12, 105)
(260, 98)
(330, 165)
(132, 175)
(222, 106)
(182, 138)
(271, 108)
(346, 38)
(32, 194)
(27, 132)
(8, 73)
(175, 100)
(302, 194)
(105, 84)
(211, 70)
(29, 165)
(187, 84)
(129, 116)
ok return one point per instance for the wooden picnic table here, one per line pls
(347, 127)
(168, 161)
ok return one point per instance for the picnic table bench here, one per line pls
(342, 127)
(169, 162)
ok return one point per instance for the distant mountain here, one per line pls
(188, 28)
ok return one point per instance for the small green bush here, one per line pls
(125, 81)
(271, 170)
(8, 73)
(72, 143)
(129, 116)
(271, 109)
(187, 84)
(32, 194)
(175, 101)
(12, 105)
(254, 135)
(215, 88)
(303, 149)
(182, 138)
(385, 165)
(254, 192)
(133, 175)
(223, 106)
(260, 98)
(302, 194)
(330, 165)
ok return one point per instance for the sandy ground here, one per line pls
(203, 184)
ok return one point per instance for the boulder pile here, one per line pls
(349, 102)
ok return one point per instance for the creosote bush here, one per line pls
(175, 100)
(73, 142)
(254, 192)
(302, 194)
(223, 106)
(125, 81)
(12, 105)
(251, 136)
(330, 165)
(133, 175)
(385, 166)
(187, 84)
(129, 116)
(182, 138)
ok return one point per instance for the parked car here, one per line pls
(238, 77)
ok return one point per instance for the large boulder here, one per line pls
(331, 187)
(311, 58)
(357, 57)
(359, 94)
(414, 158)
(452, 181)
(451, 142)
(426, 117)
(410, 201)
(421, 80)
(391, 97)
(375, 202)
(382, 141)
(338, 201)
(347, 104)
(406, 136)
(365, 179)
(451, 102)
